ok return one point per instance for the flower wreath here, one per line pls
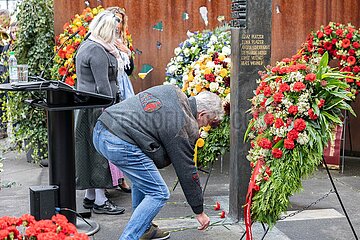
(296, 106)
(211, 73)
(26, 227)
(64, 65)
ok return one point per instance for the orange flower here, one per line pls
(62, 71)
(70, 81)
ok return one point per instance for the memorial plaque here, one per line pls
(251, 51)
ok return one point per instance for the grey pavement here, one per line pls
(325, 220)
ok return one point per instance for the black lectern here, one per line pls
(61, 100)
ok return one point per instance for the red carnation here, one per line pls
(278, 97)
(320, 34)
(210, 77)
(349, 35)
(284, 87)
(356, 69)
(299, 124)
(312, 115)
(267, 91)
(269, 118)
(345, 43)
(62, 53)
(351, 60)
(292, 134)
(356, 45)
(310, 77)
(328, 31)
(339, 32)
(279, 123)
(328, 46)
(62, 71)
(299, 86)
(277, 139)
(265, 143)
(277, 153)
(321, 103)
(289, 144)
(293, 110)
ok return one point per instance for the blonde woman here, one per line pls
(96, 69)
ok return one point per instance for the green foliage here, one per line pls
(216, 143)
(34, 47)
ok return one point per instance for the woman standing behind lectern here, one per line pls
(96, 70)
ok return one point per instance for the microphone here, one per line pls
(74, 55)
(52, 57)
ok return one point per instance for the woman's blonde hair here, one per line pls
(121, 13)
(104, 26)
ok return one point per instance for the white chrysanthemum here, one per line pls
(211, 50)
(218, 69)
(214, 86)
(172, 69)
(204, 134)
(179, 58)
(227, 60)
(191, 40)
(186, 52)
(303, 138)
(213, 39)
(221, 90)
(177, 51)
(219, 79)
(197, 72)
(191, 84)
(210, 65)
(226, 50)
(173, 80)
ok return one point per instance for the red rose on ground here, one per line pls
(339, 32)
(277, 153)
(349, 36)
(299, 86)
(320, 34)
(299, 124)
(356, 69)
(292, 135)
(265, 143)
(279, 123)
(328, 45)
(293, 110)
(267, 91)
(328, 31)
(278, 97)
(269, 118)
(289, 144)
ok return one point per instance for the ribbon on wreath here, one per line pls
(252, 187)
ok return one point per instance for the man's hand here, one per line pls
(204, 221)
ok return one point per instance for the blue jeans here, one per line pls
(149, 191)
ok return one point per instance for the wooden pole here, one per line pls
(250, 46)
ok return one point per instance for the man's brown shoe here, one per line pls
(155, 233)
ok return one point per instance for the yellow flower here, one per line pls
(198, 88)
(222, 57)
(77, 22)
(227, 91)
(223, 72)
(207, 71)
(207, 128)
(95, 11)
(200, 142)
(190, 77)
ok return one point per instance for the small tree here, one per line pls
(34, 46)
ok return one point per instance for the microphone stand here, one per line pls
(57, 51)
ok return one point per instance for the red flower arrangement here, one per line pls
(26, 227)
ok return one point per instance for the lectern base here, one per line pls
(83, 227)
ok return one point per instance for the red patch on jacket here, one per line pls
(149, 102)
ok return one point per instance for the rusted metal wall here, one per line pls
(292, 22)
(143, 15)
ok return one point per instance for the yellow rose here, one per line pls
(221, 57)
(207, 71)
(200, 142)
(198, 88)
(223, 72)
(207, 128)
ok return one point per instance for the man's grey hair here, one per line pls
(211, 103)
(104, 26)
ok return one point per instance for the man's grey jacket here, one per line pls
(162, 122)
